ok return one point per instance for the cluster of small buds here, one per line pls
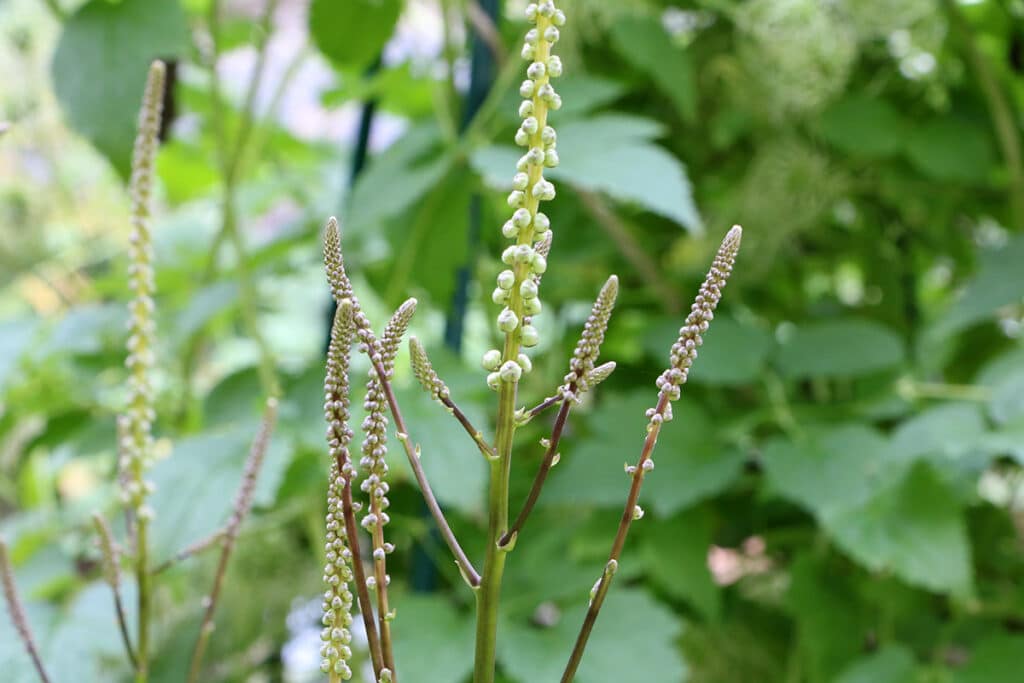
(702, 312)
(336, 635)
(337, 405)
(517, 287)
(424, 371)
(588, 348)
(135, 426)
(341, 289)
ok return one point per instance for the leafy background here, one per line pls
(840, 497)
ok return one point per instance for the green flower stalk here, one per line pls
(17, 612)
(136, 424)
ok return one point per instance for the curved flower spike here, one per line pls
(341, 286)
(702, 312)
(424, 371)
(589, 346)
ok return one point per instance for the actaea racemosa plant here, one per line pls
(517, 293)
(356, 573)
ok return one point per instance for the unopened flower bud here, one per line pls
(491, 360)
(516, 198)
(535, 156)
(520, 181)
(494, 381)
(526, 88)
(528, 289)
(546, 8)
(524, 362)
(531, 12)
(499, 296)
(551, 158)
(638, 513)
(541, 223)
(548, 136)
(536, 70)
(510, 371)
(524, 253)
(539, 264)
(521, 218)
(509, 255)
(509, 230)
(558, 18)
(508, 321)
(555, 103)
(551, 35)
(554, 66)
(528, 52)
(529, 336)
(522, 138)
(531, 306)
(532, 36)
(506, 279)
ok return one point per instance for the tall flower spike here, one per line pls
(394, 331)
(337, 605)
(137, 421)
(588, 348)
(528, 227)
(702, 312)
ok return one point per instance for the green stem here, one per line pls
(142, 579)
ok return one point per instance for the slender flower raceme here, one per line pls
(17, 612)
(136, 424)
(588, 348)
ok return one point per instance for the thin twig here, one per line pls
(474, 433)
(18, 612)
(112, 573)
(628, 515)
(243, 502)
(192, 550)
(527, 415)
(469, 573)
(542, 474)
(642, 262)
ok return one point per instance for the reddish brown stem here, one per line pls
(473, 432)
(542, 474)
(469, 573)
(601, 589)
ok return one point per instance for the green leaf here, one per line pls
(432, 639)
(196, 484)
(891, 664)
(997, 283)
(626, 165)
(15, 339)
(864, 126)
(994, 660)
(353, 32)
(946, 432)
(584, 93)
(835, 468)
(631, 628)
(690, 464)
(914, 528)
(100, 66)
(951, 149)
(397, 178)
(643, 42)
(1004, 376)
(202, 307)
(839, 348)
(674, 552)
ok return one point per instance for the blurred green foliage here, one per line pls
(839, 499)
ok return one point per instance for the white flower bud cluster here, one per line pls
(424, 371)
(336, 635)
(135, 426)
(702, 312)
(517, 287)
(588, 348)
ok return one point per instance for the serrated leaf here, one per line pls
(690, 464)
(100, 66)
(352, 33)
(914, 528)
(839, 348)
(643, 42)
(891, 664)
(529, 653)
(864, 126)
